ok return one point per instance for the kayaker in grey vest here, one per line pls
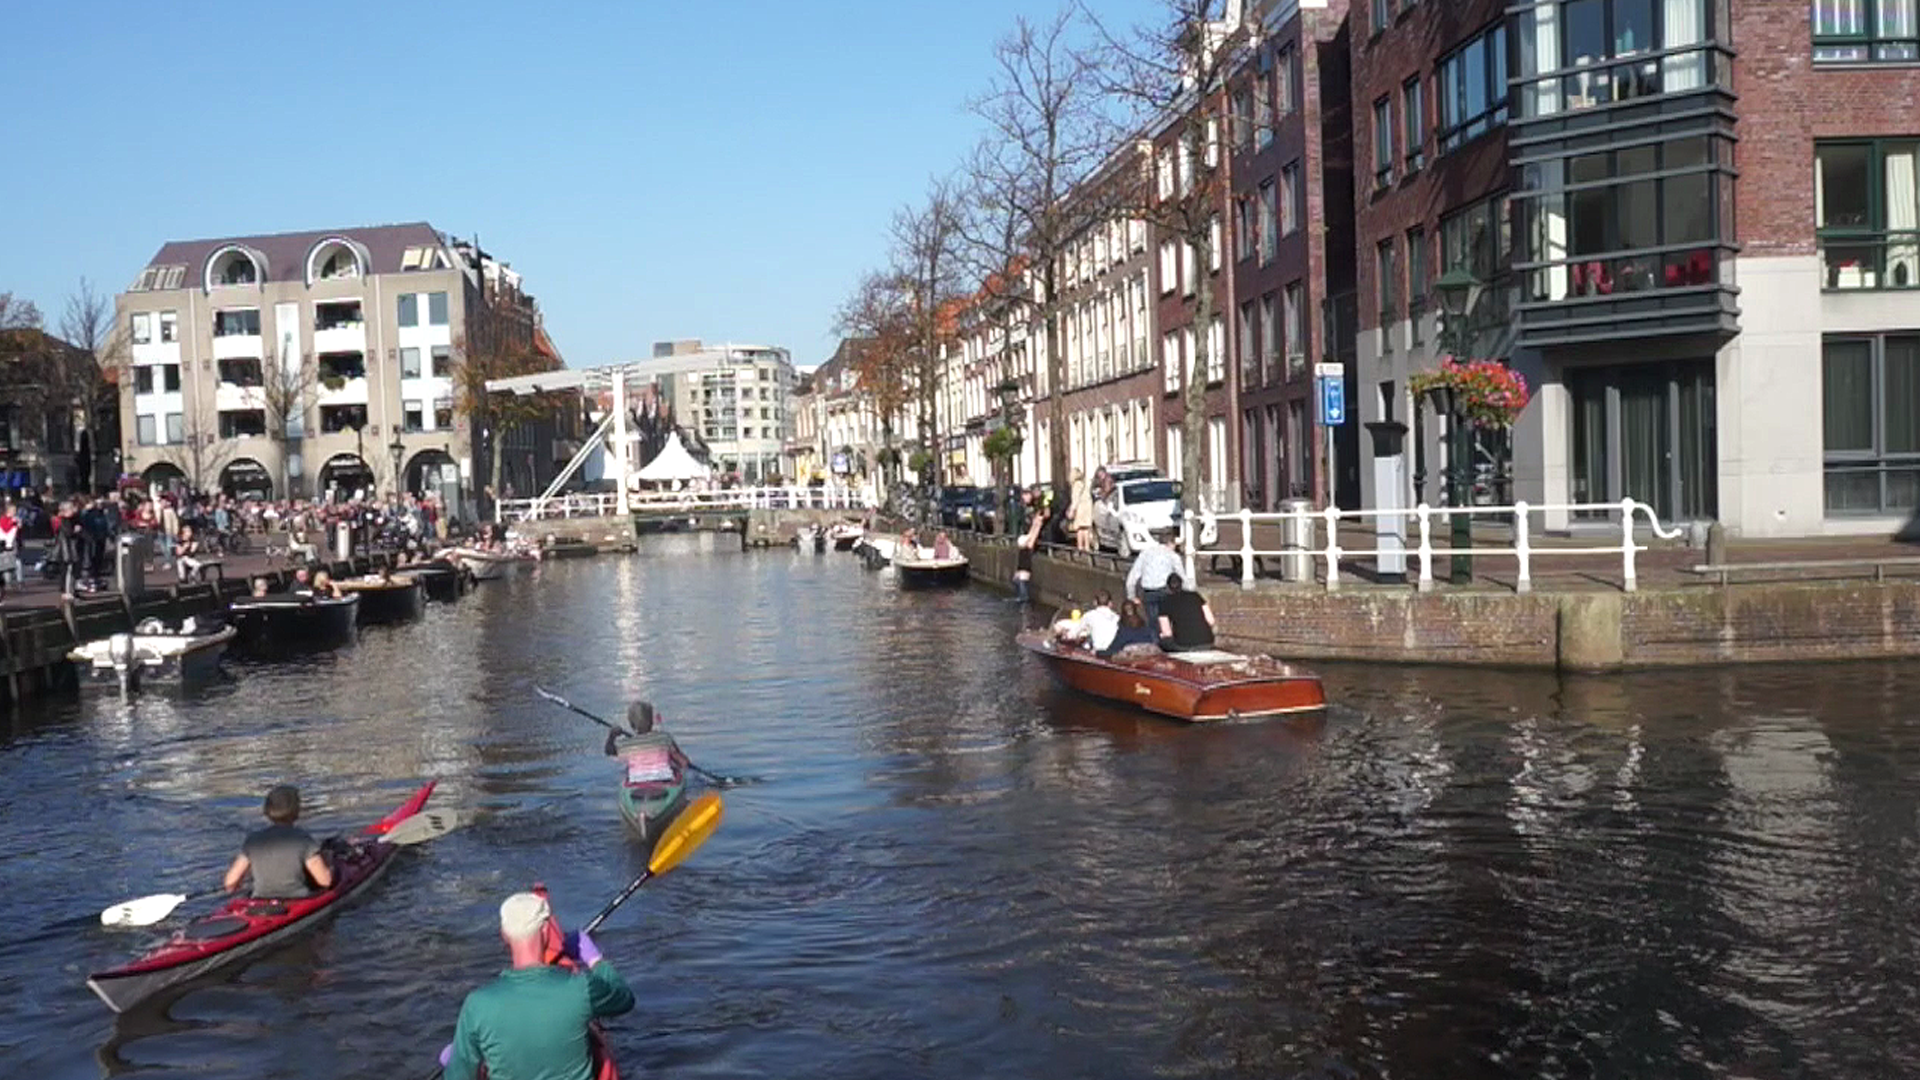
(284, 860)
(651, 755)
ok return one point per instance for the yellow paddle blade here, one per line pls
(686, 834)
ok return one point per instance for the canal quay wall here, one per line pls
(34, 641)
(1590, 630)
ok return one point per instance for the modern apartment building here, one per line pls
(318, 364)
(735, 398)
(1695, 223)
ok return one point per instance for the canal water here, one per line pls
(955, 870)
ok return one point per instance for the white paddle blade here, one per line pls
(422, 827)
(142, 912)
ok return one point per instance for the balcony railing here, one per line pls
(1580, 276)
(1878, 260)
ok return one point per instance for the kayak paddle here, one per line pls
(147, 910)
(713, 778)
(689, 830)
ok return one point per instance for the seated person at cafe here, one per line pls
(1186, 622)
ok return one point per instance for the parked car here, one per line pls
(960, 505)
(1119, 471)
(1123, 520)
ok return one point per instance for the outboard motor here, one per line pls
(120, 650)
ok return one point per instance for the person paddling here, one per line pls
(651, 755)
(284, 860)
(535, 1019)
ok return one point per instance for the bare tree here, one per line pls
(928, 269)
(201, 454)
(499, 344)
(1173, 77)
(287, 393)
(89, 377)
(1026, 199)
(877, 318)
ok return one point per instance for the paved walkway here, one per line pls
(34, 591)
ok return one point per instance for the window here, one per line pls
(1591, 52)
(237, 323)
(1290, 198)
(437, 309)
(1413, 103)
(142, 328)
(409, 309)
(1416, 279)
(339, 367)
(1215, 241)
(1217, 350)
(1286, 71)
(1473, 89)
(442, 362)
(1169, 267)
(1191, 275)
(1291, 327)
(1479, 239)
(1868, 214)
(337, 315)
(143, 380)
(338, 418)
(413, 415)
(1262, 111)
(1382, 14)
(240, 371)
(1382, 140)
(1388, 283)
(1269, 222)
(169, 326)
(170, 378)
(176, 428)
(242, 423)
(1170, 360)
(1269, 338)
(144, 426)
(1871, 424)
(1249, 343)
(1862, 31)
(443, 414)
(409, 363)
(1629, 220)
(1245, 227)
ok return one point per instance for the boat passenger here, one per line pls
(651, 754)
(324, 587)
(260, 587)
(1133, 631)
(942, 546)
(1186, 622)
(284, 860)
(1100, 622)
(533, 1019)
(1152, 568)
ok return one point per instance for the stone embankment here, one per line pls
(1672, 620)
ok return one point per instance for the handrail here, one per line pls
(1305, 523)
(1878, 566)
(606, 504)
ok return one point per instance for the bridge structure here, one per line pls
(761, 515)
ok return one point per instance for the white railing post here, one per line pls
(1186, 548)
(1332, 514)
(1626, 546)
(1522, 549)
(1423, 517)
(1246, 548)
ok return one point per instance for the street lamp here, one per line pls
(399, 451)
(1459, 293)
(1009, 391)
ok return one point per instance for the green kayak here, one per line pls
(653, 787)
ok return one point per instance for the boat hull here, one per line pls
(155, 658)
(1183, 689)
(401, 600)
(649, 808)
(930, 573)
(442, 582)
(243, 928)
(276, 625)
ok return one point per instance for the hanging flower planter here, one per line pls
(1490, 393)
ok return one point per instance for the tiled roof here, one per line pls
(286, 253)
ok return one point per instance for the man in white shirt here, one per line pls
(1100, 623)
(1147, 580)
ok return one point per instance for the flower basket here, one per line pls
(1490, 393)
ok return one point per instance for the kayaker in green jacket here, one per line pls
(651, 755)
(532, 1023)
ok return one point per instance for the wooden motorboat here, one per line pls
(293, 622)
(1195, 686)
(492, 565)
(154, 652)
(569, 547)
(441, 580)
(875, 550)
(844, 535)
(920, 570)
(387, 599)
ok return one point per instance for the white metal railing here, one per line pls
(774, 497)
(1302, 527)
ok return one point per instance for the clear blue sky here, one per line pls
(655, 170)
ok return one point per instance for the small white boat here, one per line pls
(845, 535)
(492, 565)
(154, 652)
(919, 569)
(876, 549)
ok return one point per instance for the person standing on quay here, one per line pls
(1082, 513)
(1147, 580)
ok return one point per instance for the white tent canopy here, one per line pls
(672, 463)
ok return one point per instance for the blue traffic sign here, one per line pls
(1333, 400)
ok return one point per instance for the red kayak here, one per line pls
(245, 927)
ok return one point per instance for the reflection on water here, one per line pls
(957, 869)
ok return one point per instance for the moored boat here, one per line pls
(243, 928)
(1195, 686)
(293, 622)
(844, 535)
(875, 550)
(388, 599)
(493, 565)
(920, 570)
(154, 652)
(442, 581)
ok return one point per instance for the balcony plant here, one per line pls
(1490, 393)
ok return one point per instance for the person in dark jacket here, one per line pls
(1186, 622)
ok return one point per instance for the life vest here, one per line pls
(553, 951)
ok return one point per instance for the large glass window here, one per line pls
(1388, 284)
(1413, 105)
(437, 309)
(1867, 207)
(1865, 31)
(1621, 221)
(1383, 142)
(1591, 52)
(1870, 417)
(1479, 239)
(409, 309)
(1473, 89)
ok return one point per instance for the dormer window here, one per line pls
(235, 267)
(335, 259)
(238, 271)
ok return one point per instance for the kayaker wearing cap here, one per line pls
(651, 754)
(285, 860)
(533, 1020)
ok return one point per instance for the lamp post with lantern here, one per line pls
(1459, 294)
(399, 451)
